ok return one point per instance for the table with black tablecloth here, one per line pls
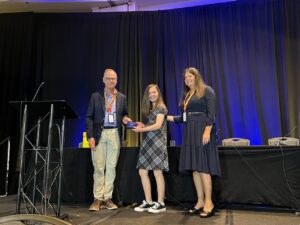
(268, 175)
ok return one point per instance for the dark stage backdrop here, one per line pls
(17, 82)
(248, 51)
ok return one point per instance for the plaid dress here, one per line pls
(153, 152)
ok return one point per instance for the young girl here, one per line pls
(153, 153)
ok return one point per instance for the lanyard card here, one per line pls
(184, 116)
(110, 117)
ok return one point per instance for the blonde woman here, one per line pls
(153, 152)
(198, 151)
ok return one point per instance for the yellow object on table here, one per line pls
(85, 143)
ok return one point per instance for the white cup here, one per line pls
(172, 143)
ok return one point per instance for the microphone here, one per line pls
(291, 131)
(37, 91)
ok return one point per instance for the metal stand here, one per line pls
(36, 183)
(7, 165)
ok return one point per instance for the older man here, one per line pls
(105, 114)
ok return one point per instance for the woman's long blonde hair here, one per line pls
(199, 82)
(147, 105)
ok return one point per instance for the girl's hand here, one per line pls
(140, 125)
(137, 129)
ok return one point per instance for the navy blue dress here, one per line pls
(195, 156)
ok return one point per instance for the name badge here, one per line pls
(184, 116)
(110, 117)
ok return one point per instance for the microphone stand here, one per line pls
(37, 91)
(280, 142)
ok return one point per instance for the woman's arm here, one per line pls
(170, 118)
(210, 99)
(178, 118)
(206, 135)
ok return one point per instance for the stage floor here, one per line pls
(79, 214)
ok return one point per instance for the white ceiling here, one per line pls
(8, 6)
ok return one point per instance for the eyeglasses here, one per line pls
(111, 78)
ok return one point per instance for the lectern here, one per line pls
(28, 190)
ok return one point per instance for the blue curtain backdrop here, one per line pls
(248, 51)
(239, 48)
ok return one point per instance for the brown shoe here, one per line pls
(109, 204)
(96, 205)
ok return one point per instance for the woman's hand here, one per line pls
(206, 138)
(170, 118)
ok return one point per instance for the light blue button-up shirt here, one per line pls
(113, 111)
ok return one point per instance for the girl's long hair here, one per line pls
(147, 105)
(199, 82)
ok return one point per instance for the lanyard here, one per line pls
(109, 105)
(187, 99)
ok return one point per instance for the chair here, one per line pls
(289, 141)
(235, 142)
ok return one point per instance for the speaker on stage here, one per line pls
(235, 142)
(289, 141)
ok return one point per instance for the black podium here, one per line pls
(36, 181)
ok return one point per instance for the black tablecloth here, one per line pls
(253, 174)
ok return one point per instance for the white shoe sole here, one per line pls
(157, 211)
(140, 210)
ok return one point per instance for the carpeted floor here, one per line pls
(79, 214)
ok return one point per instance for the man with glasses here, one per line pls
(106, 112)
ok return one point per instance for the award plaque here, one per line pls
(131, 125)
